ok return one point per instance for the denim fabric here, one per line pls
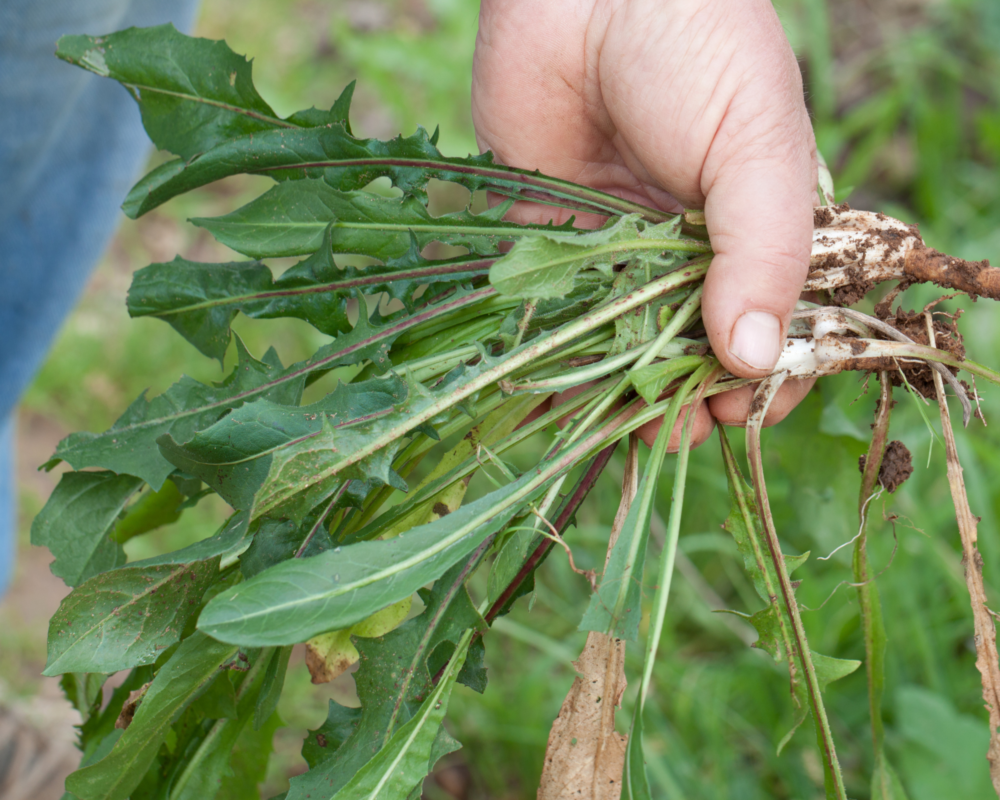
(71, 145)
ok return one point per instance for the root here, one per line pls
(975, 278)
(855, 250)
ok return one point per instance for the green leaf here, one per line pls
(278, 540)
(331, 654)
(249, 761)
(234, 456)
(76, 522)
(650, 381)
(151, 511)
(194, 94)
(401, 766)
(291, 218)
(635, 784)
(393, 680)
(616, 607)
(773, 623)
(204, 773)
(129, 446)
(298, 599)
(227, 543)
(828, 670)
(126, 617)
(323, 742)
(200, 301)
(189, 671)
(886, 784)
(271, 688)
(346, 162)
(548, 264)
(324, 151)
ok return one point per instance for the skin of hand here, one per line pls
(672, 103)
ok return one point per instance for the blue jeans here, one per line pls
(71, 145)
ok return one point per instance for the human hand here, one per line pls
(672, 103)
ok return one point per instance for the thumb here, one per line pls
(759, 196)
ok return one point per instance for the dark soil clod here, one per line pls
(897, 466)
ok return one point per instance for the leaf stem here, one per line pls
(868, 597)
(761, 402)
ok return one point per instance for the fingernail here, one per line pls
(756, 339)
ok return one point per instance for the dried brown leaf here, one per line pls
(983, 625)
(130, 705)
(585, 755)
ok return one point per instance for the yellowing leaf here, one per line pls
(330, 655)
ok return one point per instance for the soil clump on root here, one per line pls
(897, 466)
(913, 324)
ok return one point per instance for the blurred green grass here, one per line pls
(906, 105)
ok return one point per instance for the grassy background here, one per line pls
(906, 105)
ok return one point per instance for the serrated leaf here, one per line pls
(321, 151)
(126, 617)
(76, 521)
(392, 681)
(291, 218)
(236, 455)
(828, 670)
(548, 264)
(299, 599)
(188, 671)
(406, 759)
(189, 406)
(773, 623)
(323, 742)
(197, 99)
(300, 475)
(328, 150)
(193, 93)
(200, 301)
(129, 446)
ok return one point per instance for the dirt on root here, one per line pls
(975, 278)
(918, 374)
(897, 466)
(914, 324)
